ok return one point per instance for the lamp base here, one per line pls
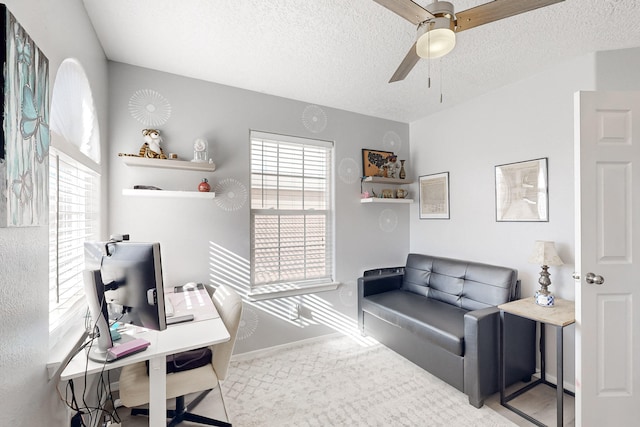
(544, 300)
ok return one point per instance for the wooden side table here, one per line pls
(560, 315)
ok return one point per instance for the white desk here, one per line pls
(176, 338)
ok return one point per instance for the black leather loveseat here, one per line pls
(441, 314)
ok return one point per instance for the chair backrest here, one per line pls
(229, 305)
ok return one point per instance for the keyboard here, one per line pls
(180, 319)
(168, 307)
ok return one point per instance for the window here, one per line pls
(74, 192)
(73, 218)
(291, 210)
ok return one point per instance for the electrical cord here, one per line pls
(103, 390)
(93, 412)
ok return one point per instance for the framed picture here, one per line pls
(522, 192)
(373, 160)
(24, 134)
(434, 196)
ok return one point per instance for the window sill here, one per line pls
(64, 350)
(282, 291)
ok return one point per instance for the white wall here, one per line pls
(530, 119)
(60, 29)
(203, 242)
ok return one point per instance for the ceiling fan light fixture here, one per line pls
(438, 24)
(436, 38)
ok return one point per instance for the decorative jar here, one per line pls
(204, 186)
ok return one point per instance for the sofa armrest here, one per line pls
(371, 285)
(515, 295)
(383, 271)
(481, 354)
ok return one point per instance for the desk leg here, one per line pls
(559, 375)
(157, 391)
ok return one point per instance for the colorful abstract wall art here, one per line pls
(24, 142)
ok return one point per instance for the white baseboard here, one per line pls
(554, 380)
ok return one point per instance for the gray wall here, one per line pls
(618, 69)
(61, 29)
(204, 241)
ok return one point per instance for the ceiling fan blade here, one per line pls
(406, 66)
(496, 10)
(407, 9)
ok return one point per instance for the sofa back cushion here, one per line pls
(417, 274)
(465, 284)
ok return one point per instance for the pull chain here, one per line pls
(440, 81)
(428, 60)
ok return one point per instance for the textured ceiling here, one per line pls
(342, 53)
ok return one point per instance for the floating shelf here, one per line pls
(166, 193)
(167, 164)
(382, 180)
(382, 200)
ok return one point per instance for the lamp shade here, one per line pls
(544, 253)
(436, 38)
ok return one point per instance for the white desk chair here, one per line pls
(134, 381)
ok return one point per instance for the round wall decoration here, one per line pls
(392, 141)
(348, 294)
(149, 107)
(314, 118)
(388, 220)
(348, 170)
(248, 323)
(231, 194)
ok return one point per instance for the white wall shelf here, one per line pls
(388, 181)
(382, 180)
(167, 164)
(168, 194)
(383, 200)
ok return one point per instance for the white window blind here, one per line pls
(74, 194)
(291, 210)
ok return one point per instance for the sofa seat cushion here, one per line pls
(436, 321)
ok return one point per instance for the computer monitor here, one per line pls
(128, 276)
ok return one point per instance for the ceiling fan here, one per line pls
(437, 24)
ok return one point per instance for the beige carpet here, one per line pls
(340, 382)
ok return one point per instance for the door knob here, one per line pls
(594, 279)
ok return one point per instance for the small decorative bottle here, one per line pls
(403, 173)
(204, 186)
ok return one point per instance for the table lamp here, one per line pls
(544, 254)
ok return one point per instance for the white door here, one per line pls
(607, 167)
